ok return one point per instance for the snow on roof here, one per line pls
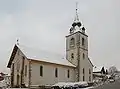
(97, 69)
(44, 56)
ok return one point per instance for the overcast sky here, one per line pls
(43, 24)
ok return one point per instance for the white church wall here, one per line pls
(26, 76)
(49, 74)
(85, 63)
(70, 50)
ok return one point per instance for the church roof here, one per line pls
(90, 62)
(40, 55)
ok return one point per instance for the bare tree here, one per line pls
(113, 70)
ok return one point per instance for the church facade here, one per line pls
(32, 68)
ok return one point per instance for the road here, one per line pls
(114, 85)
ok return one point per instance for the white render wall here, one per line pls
(49, 74)
(84, 63)
(72, 50)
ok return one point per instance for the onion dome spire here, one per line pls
(76, 20)
(76, 16)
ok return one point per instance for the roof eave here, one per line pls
(91, 62)
(52, 63)
(12, 56)
(78, 32)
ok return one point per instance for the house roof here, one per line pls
(40, 55)
(97, 69)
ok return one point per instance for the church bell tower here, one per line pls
(77, 47)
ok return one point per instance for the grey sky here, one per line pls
(44, 24)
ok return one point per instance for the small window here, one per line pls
(25, 70)
(83, 56)
(89, 71)
(83, 78)
(83, 71)
(23, 57)
(68, 73)
(72, 42)
(56, 72)
(41, 70)
(72, 56)
(83, 41)
(89, 78)
(18, 77)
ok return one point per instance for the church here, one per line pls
(30, 67)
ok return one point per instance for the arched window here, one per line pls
(23, 57)
(83, 56)
(56, 72)
(83, 74)
(25, 70)
(83, 71)
(89, 78)
(41, 70)
(83, 78)
(68, 73)
(89, 71)
(72, 56)
(18, 77)
(72, 42)
(83, 41)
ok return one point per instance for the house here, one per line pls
(99, 74)
(30, 67)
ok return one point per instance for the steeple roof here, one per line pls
(76, 21)
(76, 15)
(76, 25)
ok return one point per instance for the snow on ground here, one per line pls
(2, 83)
(65, 84)
(86, 88)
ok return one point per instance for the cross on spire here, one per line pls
(76, 16)
(76, 22)
(17, 41)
